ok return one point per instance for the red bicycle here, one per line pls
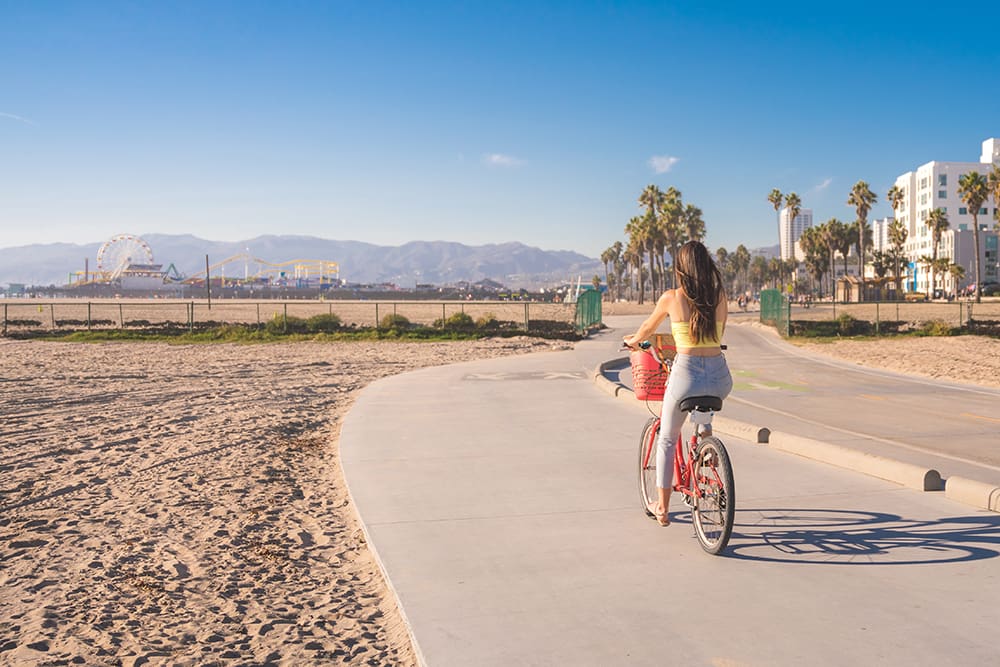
(702, 471)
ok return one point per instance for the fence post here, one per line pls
(52, 314)
(88, 316)
(258, 314)
(284, 318)
(121, 317)
(5, 319)
(877, 329)
(442, 313)
(527, 326)
(191, 317)
(376, 314)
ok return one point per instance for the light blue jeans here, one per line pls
(689, 376)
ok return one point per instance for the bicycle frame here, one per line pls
(683, 456)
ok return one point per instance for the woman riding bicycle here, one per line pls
(697, 310)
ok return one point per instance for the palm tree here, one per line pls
(897, 237)
(861, 198)
(895, 197)
(694, 225)
(777, 199)
(937, 223)
(741, 265)
(757, 273)
(636, 230)
(993, 182)
(611, 258)
(814, 245)
(957, 273)
(794, 206)
(833, 232)
(973, 190)
(846, 238)
(607, 257)
(672, 225)
(632, 256)
(653, 200)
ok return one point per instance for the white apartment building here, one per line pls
(880, 234)
(789, 231)
(935, 185)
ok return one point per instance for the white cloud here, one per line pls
(501, 160)
(661, 164)
(15, 117)
(823, 186)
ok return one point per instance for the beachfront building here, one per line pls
(935, 185)
(789, 231)
(880, 234)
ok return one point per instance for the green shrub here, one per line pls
(394, 321)
(323, 323)
(280, 324)
(488, 322)
(936, 328)
(456, 322)
(847, 325)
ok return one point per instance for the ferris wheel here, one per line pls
(119, 251)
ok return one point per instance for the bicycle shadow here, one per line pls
(855, 537)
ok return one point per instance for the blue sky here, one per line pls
(476, 122)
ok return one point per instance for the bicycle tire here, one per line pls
(714, 495)
(647, 465)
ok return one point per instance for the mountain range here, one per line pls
(513, 264)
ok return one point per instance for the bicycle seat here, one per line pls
(700, 403)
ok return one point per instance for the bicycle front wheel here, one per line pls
(714, 495)
(647, 464)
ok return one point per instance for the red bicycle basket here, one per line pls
(648, 377)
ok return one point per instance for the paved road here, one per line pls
(500, 497)
(952, 428)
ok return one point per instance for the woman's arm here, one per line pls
(653, 322)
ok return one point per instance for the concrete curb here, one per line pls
(969, 491)
(905, 474)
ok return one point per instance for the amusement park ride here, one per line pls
(127, 260)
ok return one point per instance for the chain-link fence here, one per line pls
(878, 318)
(28, 315)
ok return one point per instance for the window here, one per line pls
(923, 199)
(963, 211)
(942, 194)
(983, 211)
(942, 180)
(923, 183)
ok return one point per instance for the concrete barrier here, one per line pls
(905, 474)
(969, 491)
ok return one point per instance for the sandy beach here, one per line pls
(184, 504)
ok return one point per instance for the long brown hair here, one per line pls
(701, 283)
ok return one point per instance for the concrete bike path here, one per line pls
(500, 499)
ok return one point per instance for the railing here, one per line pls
(34, 314)
(884, 317)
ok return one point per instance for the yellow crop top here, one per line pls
(681, 332)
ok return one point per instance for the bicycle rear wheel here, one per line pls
(714, 495)
(647, 464)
